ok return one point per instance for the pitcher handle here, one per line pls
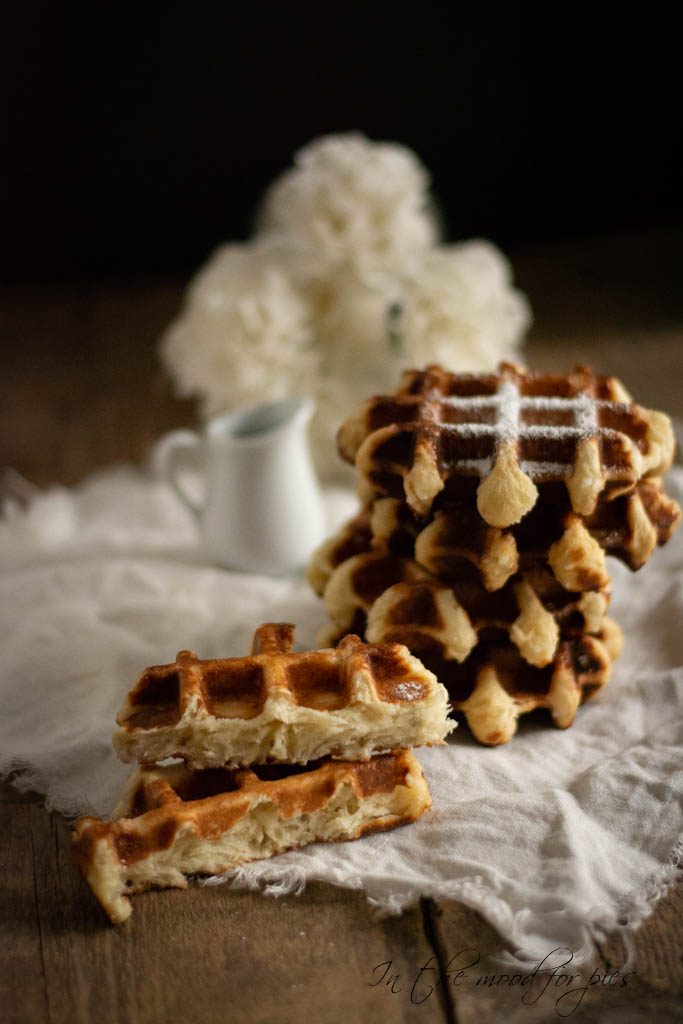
(165, 461)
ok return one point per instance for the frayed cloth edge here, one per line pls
(631, 917)
(619, 921)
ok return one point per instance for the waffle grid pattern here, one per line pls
(240, 687)
(516, 429)
(491, 501)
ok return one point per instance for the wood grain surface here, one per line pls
(82, 388)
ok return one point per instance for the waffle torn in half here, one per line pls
(276, 705)
(506, 438)
(177, 821)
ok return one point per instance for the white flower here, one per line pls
(355, 203)
(351, 327)
(459, 309)
(350, 319)
(244, 335)
(343, 285)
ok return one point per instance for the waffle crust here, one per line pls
(494, 685)
(176, 821)
(455, 543)
(276, 705)
(505, 439)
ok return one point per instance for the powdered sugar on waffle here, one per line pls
(508, 426)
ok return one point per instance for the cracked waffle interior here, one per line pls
(495, 685)
(455, 543)
(176, 821)
(504, 436)
(277, 705)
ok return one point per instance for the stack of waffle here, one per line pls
(490, 503)
(278, 749)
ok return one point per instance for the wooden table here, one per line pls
(81, 389)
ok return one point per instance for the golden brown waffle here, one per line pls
(455, 543)
(503, 437)
(533, 607)
(628, 528)
(176, 821)
(495, 685)
(534, 610)
(280, 706)
(356, 584)
(387, 525)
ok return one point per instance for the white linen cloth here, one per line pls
(555, 838)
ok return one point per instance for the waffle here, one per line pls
(534, 610)
(495, 685)
(504, 436)
(628, 528)
(388, 524)
(455, 543)
(279, 706)
(355, 585)
(177, 821)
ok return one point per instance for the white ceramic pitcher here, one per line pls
(262, 509)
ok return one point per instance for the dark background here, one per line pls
(138, 138)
